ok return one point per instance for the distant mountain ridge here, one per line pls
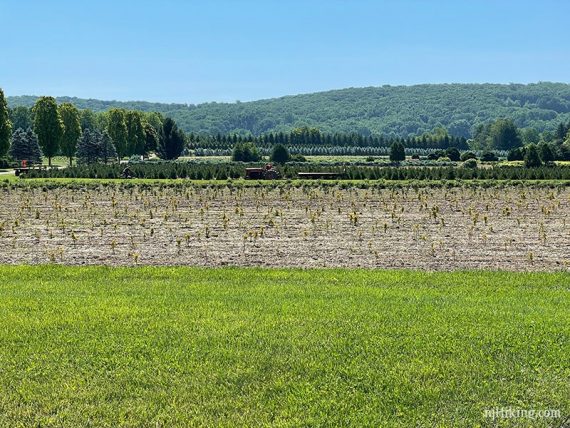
(387, 110)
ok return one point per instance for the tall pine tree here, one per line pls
(171, 143)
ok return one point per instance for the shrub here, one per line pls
(467, 155)
(453, 154)
(470, 163)
(436, 155)
(489, 157)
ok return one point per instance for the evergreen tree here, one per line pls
(108, 151)
(5, 125)
(95, 146)
(48, 126)
(88, 148)
(171, 141)
(25, 146)
(397, 152)
(280, 154)
(531, 157)
(117, 128)
(71, 130)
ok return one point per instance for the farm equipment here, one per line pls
(268, 172)
(26, 167)
(127, 173)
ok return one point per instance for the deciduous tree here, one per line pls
(531, 156)
(21, 117)
(48, 126)
(117, 128)
(245, 152)
(151, 138)
(88, 119)
(5, 125)
(546, 153)
(135, 133)
(505, 135)
(71, 130)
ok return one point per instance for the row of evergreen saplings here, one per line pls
(223, 171)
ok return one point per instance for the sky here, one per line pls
(220, 50)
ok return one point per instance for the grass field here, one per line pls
(248, 347)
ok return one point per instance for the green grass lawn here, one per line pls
(57, 161)
(250, 347)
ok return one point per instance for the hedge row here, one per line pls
(224, 171)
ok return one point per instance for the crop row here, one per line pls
(223, 171)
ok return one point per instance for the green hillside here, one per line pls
(397, 110)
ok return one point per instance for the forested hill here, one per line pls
(396, 110)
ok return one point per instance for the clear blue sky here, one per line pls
(197, 51)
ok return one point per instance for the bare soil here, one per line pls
(516, 228)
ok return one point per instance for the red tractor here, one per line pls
(268, 172)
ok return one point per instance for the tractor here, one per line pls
(268, 172)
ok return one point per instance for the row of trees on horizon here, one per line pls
(65, 130)
(117, 133)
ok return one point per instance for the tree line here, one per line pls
(395, 111)
(313, 137)
(48, 129)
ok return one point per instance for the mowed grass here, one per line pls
(250, 347)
